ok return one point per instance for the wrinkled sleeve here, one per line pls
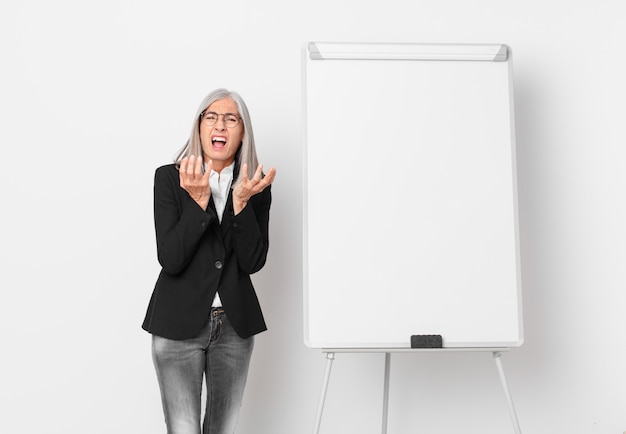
(251, 234)
(179, 221)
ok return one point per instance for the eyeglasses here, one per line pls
(231, 120)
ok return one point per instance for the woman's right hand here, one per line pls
(194, 181)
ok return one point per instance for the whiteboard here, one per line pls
(410, 200)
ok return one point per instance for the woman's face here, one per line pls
(219, 142)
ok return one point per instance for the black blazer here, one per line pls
(200, 256)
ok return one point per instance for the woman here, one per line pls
(211, 214)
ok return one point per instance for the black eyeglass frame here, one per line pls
(231, 120)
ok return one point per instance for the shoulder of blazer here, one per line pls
(166, 178)
(168, 171)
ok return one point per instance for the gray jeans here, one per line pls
(220, 356)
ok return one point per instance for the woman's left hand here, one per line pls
(249, 187)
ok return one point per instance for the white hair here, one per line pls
(246, 154)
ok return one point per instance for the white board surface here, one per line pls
(410, 203)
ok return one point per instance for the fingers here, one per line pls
(193, 168)
(191, 173)
(197, 170)
(259, 182)
(244, 173)
(183, 164)
(249, 187)
(258, 173)
(266, 180)
(194, 179)
(182, 169)
(270, 175)
(209, 168)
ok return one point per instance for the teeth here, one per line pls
(219, 139)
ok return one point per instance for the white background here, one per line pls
(95, 95)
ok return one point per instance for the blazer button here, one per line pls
(218, 265)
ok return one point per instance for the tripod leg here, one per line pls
(320, 408)
(507, 392)
(386, 392)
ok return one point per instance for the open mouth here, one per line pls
(218, 142)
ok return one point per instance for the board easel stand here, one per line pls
(330, 357)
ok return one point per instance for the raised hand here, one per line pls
(249, 187)
(194, 180)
